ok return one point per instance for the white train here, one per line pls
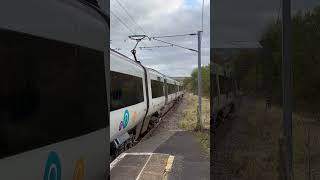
(139, 97)
(53, 93)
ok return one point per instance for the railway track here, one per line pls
(150, 132)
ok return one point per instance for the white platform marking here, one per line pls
(143, 167)
(122, 155)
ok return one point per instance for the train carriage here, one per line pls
(157, 99)
(156, 81)
(139, 97)
(53, 106)
(128, 95)
(171, 84)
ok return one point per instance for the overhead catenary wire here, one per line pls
(150, 50)
(120, 14)
(122, 22)
(132, 19)
(148, 47)
(190, 34)
(175, 45)
(130, 16)
(119, 19)
(170, 44)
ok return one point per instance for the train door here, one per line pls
(166, 91)
(176, 91)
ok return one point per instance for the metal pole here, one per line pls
(199, 80)
(286, 129)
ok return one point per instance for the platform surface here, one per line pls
(141, 166)
(166, 153)
(187, 161)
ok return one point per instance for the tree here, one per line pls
(191, 84)
(268, 60)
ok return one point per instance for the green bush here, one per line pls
(191, 84)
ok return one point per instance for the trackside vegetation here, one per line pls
(191, 83)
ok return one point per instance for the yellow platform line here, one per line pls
(169, 163)
(168, 167)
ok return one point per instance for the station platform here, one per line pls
(142, 166)
(170, 155)
(165, 153)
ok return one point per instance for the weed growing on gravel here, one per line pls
(204, 140)
(189, 119)
(258, 159)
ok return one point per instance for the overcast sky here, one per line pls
(157, 18)
(236, 24)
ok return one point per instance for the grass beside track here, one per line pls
(204, 139)
(258, 157)
(189, 119)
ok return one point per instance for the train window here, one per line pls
(126, 90)
(50, 91)
(171, 89)
(157, 88)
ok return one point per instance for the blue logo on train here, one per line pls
(123, 124)
(53, 167)
(125, 119)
